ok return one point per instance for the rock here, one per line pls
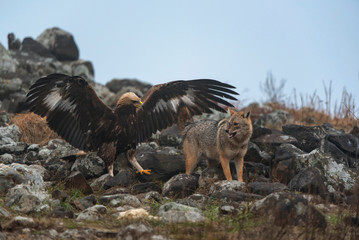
(19, 222)
(62, 212)
(228, 196)
(289, 209)
(339, 156)
(105, 95)
(170, 137)
(99, 183)
(177, 213)
(10, 134)
(125, 177)
(4, 213)
(60, 43)
(180, 186)
(275, 119)
(347, 143)
(85, 202)
(355, 131)
(164, 162)
(83, 69)
(156, 196)
(13, 42)
(9, 86)
(58, 194)
(228, 210)
(9, 177)
(223, 185)
(135, 231)
(120, 199)
(145, 187)
(4, 118)
(116, 85)
(7, 63)
(92, 213)
(264, 188)
(270, 142)
(91, 166)
(13, 148)
(32, 46)
(254, 171)
(310, 181)
(308, 138)
(77, 181)
(57, 149)
(195, 200)
(58, 169)
(211, 175)
(254, 154)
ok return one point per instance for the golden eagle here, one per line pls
(74, 111)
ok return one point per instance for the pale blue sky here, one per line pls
(305, 42)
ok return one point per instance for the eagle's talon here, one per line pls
(146, 171)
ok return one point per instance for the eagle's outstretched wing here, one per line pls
(72, 109)
(162, 103)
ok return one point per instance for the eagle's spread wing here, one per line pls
(72, 109)
(162, 103)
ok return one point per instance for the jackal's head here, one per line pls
(239, 124)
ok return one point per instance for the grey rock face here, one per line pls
(120, 199)
(60, 43)
(288, 208)
(32, 46)
(180, 186)
(264, 188)
(176, 213)
(91, 166)
(92, 213)
(275, 119)
(308, 180)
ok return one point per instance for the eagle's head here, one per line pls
(129, 99)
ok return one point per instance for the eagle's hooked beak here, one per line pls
(138, 104)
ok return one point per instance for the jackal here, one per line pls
(219, 142)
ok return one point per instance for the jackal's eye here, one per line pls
(235, 124)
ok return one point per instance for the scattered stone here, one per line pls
(4, 213)
(93, 213)
(180, 186)
(275, 119)
(125, 177)
(9, 177)
(308, 180)
(91, 166)
(4, 118)
(99, 183)
(77, 181)
(170, 136)
(145, 187)
(85, 202)
(228, 196)
(266, 188)
(19, 222)
(308, 138)
(270, 142)
(210, 175)
(13, 42)
(223, 185)
(228, 210)
(135, 231)
(346, 143)
(254, 154)
(62, 212)
(156, 196)
(119, 200)
(116, 85)
(164, 162)
(58, 194)
(289, 209)
(176, 213)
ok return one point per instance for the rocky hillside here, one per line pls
(300, 181)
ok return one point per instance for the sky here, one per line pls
(307, 43)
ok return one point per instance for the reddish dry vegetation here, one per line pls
(34, 128)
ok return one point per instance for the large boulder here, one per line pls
(60, 43)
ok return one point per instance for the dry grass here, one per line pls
(33, 128)
(310, 109)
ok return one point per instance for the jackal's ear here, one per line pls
(247, 114)
(231, 111)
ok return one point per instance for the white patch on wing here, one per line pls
(52, 99)
(175, 104)
(188, 100)
(67, 105)
(160, 105)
